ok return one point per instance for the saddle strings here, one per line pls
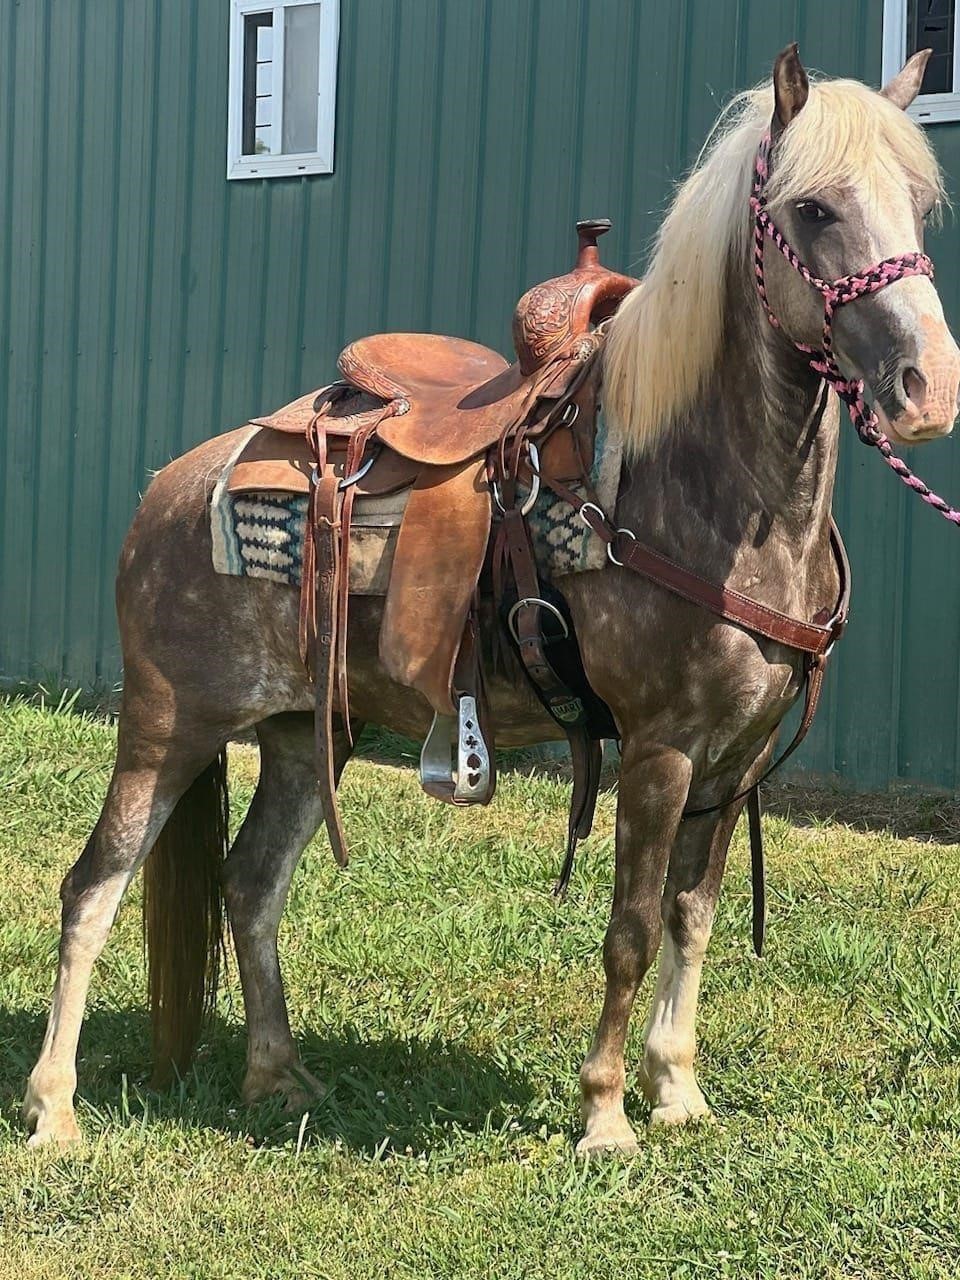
(836, 294)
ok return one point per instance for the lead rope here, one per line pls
(836, 294)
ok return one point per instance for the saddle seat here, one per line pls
(451, 398)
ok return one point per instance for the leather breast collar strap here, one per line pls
(814, 639)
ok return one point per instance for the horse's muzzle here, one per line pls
(911, 367)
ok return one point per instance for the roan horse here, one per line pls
(732, 442)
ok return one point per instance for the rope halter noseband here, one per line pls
(836, 294)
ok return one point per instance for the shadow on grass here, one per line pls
(387, 1093)
(907, 815)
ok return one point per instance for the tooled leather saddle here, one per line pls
(471, 438)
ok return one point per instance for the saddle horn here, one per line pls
(550, 316)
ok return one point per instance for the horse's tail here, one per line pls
(183, 918)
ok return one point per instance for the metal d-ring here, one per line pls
(534, 493)
(610, 556)
(358, 475)
(564, 421)
(347, 481)
(544, 604)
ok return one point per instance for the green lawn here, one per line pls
(448, 1001)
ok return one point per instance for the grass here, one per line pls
(448, 1000)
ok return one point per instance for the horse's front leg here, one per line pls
(652, 793)
(689, 902)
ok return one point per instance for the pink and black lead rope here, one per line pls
(836, 294)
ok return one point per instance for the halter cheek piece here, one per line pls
(835, 294)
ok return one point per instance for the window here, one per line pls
(283, 85)
(909, 25)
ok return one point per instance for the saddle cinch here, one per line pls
(471, 439)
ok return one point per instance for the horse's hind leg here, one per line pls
(148, 780)
(652, 793)
(283, 816)
(689, 902)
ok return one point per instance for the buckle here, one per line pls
(591, 506)
(543, 604)
(567, 419)
(627, 533)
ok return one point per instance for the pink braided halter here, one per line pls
(836, 294)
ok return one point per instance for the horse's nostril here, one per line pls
(915, 387)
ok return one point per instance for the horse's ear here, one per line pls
(905, 85)
(790, 87)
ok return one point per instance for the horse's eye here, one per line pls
(810, 211)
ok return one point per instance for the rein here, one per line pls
(835, 294)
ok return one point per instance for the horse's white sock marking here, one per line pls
(132, 820)
(670, 1038)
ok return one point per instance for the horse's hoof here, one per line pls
(677, 1113)
(48, 1115)
(55, 1131)
(611, 1140)
(297, 1100)
(298, 1088)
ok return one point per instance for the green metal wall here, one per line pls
(146, 303)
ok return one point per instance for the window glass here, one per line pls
(258, 84)
(283, 87)
(301, 73)
(930, 25)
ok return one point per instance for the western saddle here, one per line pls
(472, 439)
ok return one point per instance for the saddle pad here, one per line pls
(260, 535)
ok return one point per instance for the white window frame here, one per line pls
(283, 166)
(929, 108)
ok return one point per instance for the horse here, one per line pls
(730, 439)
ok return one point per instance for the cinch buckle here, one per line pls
(543, 604)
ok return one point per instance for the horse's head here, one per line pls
(853, 180)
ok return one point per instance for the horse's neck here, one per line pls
(740, 489)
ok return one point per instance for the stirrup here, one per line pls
(469, 782)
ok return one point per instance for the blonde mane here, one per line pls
(664, 340)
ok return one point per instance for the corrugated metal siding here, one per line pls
(146, 303)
